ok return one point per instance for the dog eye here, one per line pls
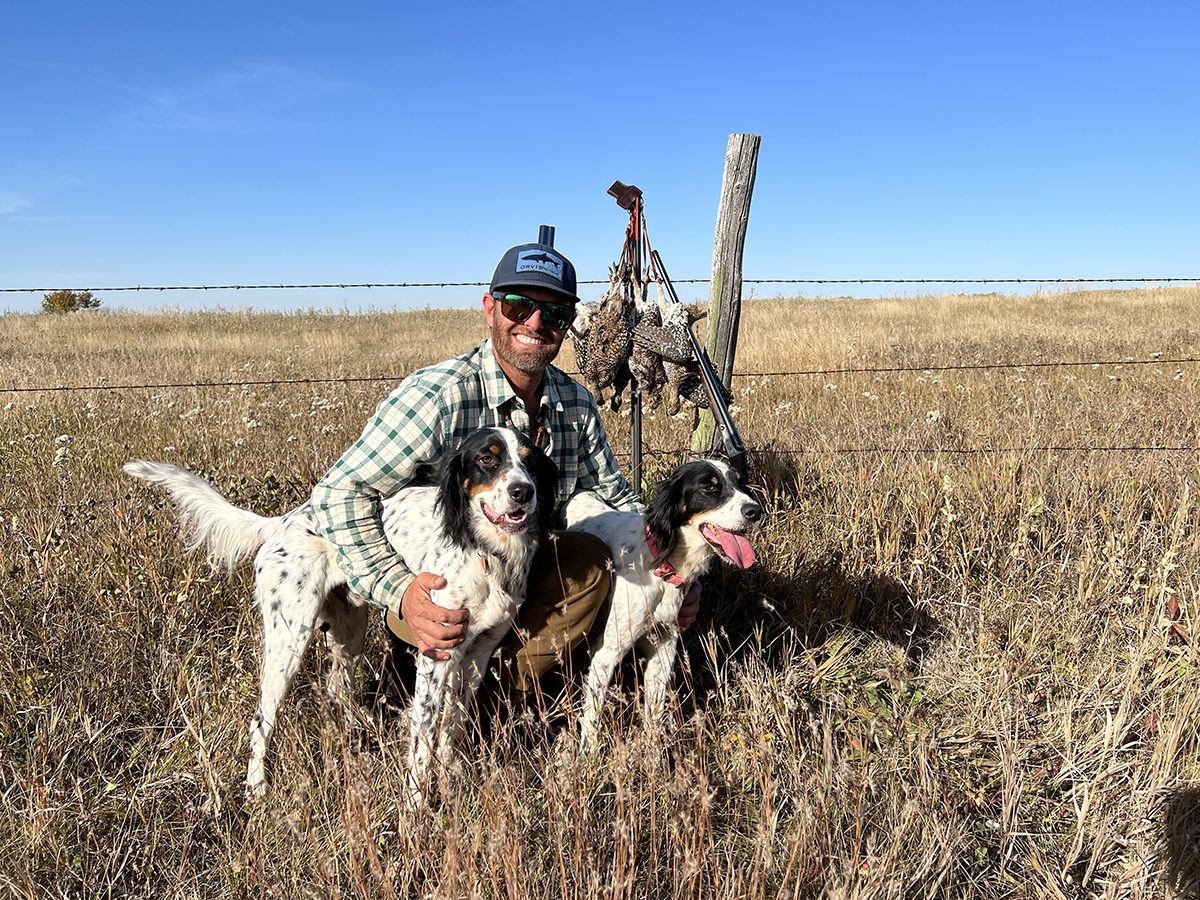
(487, 461)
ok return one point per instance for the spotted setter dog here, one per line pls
(699, 513)
(478, 527)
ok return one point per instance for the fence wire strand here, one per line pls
(445, 284)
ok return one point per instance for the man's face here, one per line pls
(527, 346)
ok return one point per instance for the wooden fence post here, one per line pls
(725, 296)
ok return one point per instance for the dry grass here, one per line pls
(952, 674)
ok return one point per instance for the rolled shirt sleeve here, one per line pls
(411, 427)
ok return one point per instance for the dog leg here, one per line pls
(345, 627)
(600, 674)
(459, 695)
(288, 619)
(659, 647)
(427, 701)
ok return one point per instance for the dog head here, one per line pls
(496, 485)
(702, 507)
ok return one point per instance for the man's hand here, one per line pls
(690, 608)
(435, 628)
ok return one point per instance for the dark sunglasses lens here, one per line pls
(518, 309)
(515, 307)
(557, 316)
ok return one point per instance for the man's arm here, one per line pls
(598, 468)
(411, 426)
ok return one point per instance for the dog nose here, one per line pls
(520, 491)
(752, 511)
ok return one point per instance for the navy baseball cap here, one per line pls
(536, 265)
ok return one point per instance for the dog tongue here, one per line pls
(734, 546)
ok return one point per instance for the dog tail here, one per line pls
(229, 533)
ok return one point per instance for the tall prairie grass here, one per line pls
(965, 665)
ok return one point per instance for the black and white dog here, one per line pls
(478, 527)
(698, 513)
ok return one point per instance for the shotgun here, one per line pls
(732, 441)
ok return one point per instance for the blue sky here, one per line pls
(161, 143)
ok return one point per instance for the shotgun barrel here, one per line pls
(735, 449)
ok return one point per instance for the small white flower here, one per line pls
(61, 456)
(10, 405)
(170, 448)
(63, 439)
(933, 416)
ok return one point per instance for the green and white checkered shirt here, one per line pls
(431, 411)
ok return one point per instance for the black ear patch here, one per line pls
(453, 498)
(667, 511)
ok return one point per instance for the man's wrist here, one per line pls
(389, 590)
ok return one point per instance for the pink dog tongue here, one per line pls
(734, 546)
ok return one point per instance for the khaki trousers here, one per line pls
(569, 582)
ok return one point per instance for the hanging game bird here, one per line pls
(644, 364)
(623, 335)
(662, 337)
(604, 340)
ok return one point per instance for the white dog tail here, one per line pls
(229, 533)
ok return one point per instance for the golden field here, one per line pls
(965, 665)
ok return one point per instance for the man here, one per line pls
(505, 381)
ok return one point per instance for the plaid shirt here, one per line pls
(430, 412)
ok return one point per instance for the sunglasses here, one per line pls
(518, 308)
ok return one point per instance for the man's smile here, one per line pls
(530, 340)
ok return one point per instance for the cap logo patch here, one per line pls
(540, 261)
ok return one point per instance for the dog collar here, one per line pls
(664, 569)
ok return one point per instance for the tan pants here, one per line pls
(568, 588)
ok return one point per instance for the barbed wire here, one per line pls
(445, 284)
(953, 367)
(303, 488)
(69, 388)
(865, 370)
(923, 450)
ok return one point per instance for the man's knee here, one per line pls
(572, 566)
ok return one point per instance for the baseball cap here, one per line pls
(536, 265)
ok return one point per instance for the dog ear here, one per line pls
(545, 473)
(452, 498)
(666, 513)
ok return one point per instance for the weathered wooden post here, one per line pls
(725, 295)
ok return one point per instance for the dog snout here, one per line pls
(752, 511)
(521, 492)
